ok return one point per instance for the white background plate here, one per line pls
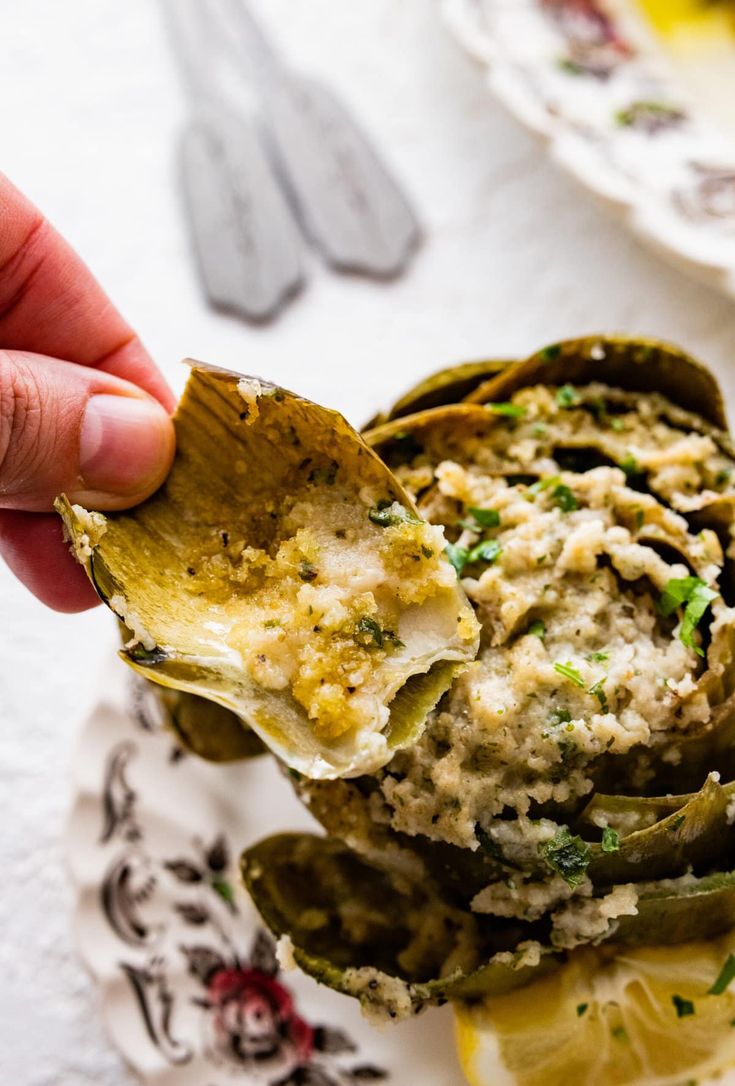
(584, 76)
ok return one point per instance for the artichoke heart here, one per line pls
(575, 786)
(282, 572)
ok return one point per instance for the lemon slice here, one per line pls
(656, 1015)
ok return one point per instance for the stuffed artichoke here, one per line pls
(574, 786)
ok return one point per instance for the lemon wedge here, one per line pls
(655, 1015)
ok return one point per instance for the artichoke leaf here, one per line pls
(450, 385)
(633, 364)
(692, 835)
(207, 729)
(282, 572)
(679, 910)
(385, 940)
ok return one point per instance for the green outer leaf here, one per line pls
(207, 729)
(448, 386)
(308, 887)
(631, 363)
(693, 834)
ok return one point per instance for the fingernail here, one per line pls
(125, 444)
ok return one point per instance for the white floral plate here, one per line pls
(636, 122)
(192, 991)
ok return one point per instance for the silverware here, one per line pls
(245, 236)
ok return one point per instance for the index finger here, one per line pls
(51, 304)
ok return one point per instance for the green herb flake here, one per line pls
(610, 840)
(723, 476)
(564, 499)
(508, 410)
(684, 1007)
(630, 465)
(619, 1033)
(677, 823)
(488, 551)
(225, 890)
(486, 518)
(551, 352)
(368, 627)
(724, 978)
(597, 657)
(569, 672)
(598, 691)
(560, 716)
(387, 515)
(457, 556)
(539, 485)
(307, 570)
(271, 623)
(581, 1009)
(617, 424)
(538, 629)
(696, 596)
(426, 551)
(567, 396)
(640, 516)
(567, 855)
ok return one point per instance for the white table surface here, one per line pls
(516, 256)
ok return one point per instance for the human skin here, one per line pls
(83, 408)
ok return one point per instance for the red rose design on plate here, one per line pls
(254, 1019)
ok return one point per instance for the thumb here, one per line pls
(73, 429)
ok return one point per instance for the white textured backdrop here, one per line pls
(516, 256)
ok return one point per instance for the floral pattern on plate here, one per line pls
(193, 991)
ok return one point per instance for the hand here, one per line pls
(83, 408)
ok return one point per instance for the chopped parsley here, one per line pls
(551, 352)
(695, 596)
(569, 672)
(509, 410)
(581, 1008)
(597, 689)
(388, 514)
(560, 716)
(725, 977)
(307, 570)
(677, 823)
(488, 551)
(482, 518)
(610, 840)
(564, 499)
(684, 1007)
(271, 623)
(630, 465)
(368, 627)
(597, 657)
(568, 856)
(567, 396)
(538, 629)
(539, 485)
(457, 556)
